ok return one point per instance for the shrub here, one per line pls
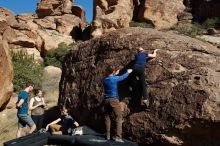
(26, 70)
(54, 57)
(211, 22)
(193, 30)
(140, 24)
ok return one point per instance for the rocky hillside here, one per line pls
(184, 82)
(43, 31)
(55, 22)
(111, 15)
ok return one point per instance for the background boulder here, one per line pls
(161, 13)
(6, 77)
(50, 84)
(111, 15)
(54, 7)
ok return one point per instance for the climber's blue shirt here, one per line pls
(111, 85)
(140, 59)
(24, 108)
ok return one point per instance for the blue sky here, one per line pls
(29, 6)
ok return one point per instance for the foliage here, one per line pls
(211, 22)
(198, 28)
(188, 9)
(140, 24)
(193, 30)
(26, 70)
(54, 57)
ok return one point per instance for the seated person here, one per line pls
(67, 123)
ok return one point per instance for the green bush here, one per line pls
(54, 57)
(140, 24)
(193, 30)
(26, 69)
(211, 22)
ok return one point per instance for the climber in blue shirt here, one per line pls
(111, 86)
(111, 101)
(141, 58)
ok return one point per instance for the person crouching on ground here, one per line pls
(111, 101)
(67, 123)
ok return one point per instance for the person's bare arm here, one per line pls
(76, 124)
(117, 72)
(19, 104)
(54, 122)
(154, 54)
(31, 107)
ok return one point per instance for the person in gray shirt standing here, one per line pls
(37, 106)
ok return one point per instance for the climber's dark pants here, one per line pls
(139, 72)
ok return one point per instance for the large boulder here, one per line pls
(52, 38)
(80, 12)
(67, 23)
(50, 84)
(6, 19)
(183, 80)
(6, 75)
(111, 15)
(7, 16)
(161, 13)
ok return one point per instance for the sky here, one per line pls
(29, 6)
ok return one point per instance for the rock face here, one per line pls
(50, 84)
(213, 39)
(111, 15)
(45, 31)
(161, 13)
(114, 14)
(184, 82)
(6, 76)
(184, 18)
(54, 7)
(80, 12)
